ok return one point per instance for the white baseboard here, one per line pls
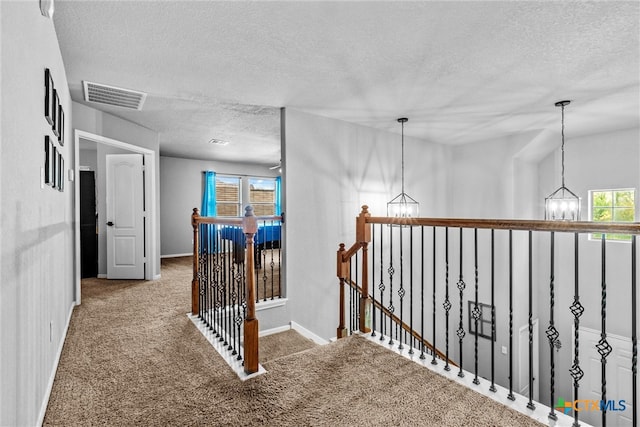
(156, 277)
(102, 276)
(176, 255)
(274, 330)
(56, 362)
(308, 334)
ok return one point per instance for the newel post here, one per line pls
(363, 236)
(342, 272)
(194, 283)
(249, 228)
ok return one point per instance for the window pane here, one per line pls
(262, 190)
(602, 214)
(624, 214)
(601, 198)
(227, 209)
(264, 210)
(624, 198)
(228, 189)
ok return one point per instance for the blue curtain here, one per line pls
(208, 232)
(278, 195)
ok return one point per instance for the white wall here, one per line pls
(99, 123)
(331, 169)
(181, 190)
(36, 272)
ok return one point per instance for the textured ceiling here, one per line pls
(461, 71)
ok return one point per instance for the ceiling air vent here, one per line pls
(111, 95)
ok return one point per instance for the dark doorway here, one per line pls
(88, 235)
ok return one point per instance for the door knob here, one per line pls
(110, 223)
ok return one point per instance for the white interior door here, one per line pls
(125, 216)
(523, 359)
(619, 377)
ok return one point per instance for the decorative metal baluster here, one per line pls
(447, 303)
(210, 278)
(242, 310)
(603, 346)
(401, 290)
(373, 280)
(272, 263)
(422, 356)
(493, 315)
(235, 306)
(280, 261)
(391, 270)
(263, 262)
(530, 404)
(552, 333)
(356, 295)
(433, 350)
(476, 310)
(201, 273)
(411, 290)
(352, 312)
(577, 309)
(634, 339)
(511, 396)
(381, 287)
(460, 332)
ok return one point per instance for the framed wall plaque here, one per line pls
(56, 105)
(49, 97)
(60, 125)
(48, 157)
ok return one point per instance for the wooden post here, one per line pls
(249, 228)
(363, 236)
(342, 272)
(195, 292)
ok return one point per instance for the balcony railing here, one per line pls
(453, 290)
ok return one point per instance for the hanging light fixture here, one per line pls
(403, 205)
(562, 204)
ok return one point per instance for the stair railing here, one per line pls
(394, 263)
(225, 276)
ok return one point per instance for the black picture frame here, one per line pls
(484, 321)
(60, 125)
(48, 150)
(60, 172)
(56, 131)
(49, 97)
(54, 169)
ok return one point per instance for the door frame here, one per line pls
(150, 195)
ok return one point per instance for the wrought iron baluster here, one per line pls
(433, 351)
(577, 309)
(280, 261)
(272, 263)
(476, 310)
(603, 346)
(634, 339)
(422, 356)
(381, 287)
(411, 290)
(493, 314)
(447, 303)
(530, 404)
(401, 289)
(552, 333)
(461, 332)
(356, 295)
(511, 396)
(391, 270)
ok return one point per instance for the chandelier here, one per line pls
(403, 205)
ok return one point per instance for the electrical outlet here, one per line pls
(504, 350)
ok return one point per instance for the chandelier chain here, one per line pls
(562, 147)
(402, 122)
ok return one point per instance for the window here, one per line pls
(262, 195)
(612, 206)
(228, 200)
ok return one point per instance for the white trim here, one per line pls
(101, 276)
(56, 362)
(266, 305)
(150, 189)
(156, 276)
(176, 255)
(308, 334)
(273, 331)
(222, 349)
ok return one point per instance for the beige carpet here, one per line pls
(132, 357)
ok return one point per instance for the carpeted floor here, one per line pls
(132, 357)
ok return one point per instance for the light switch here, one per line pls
(504, 349)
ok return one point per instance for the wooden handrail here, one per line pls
(403, 325)
(230, 220)
(514, 224)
